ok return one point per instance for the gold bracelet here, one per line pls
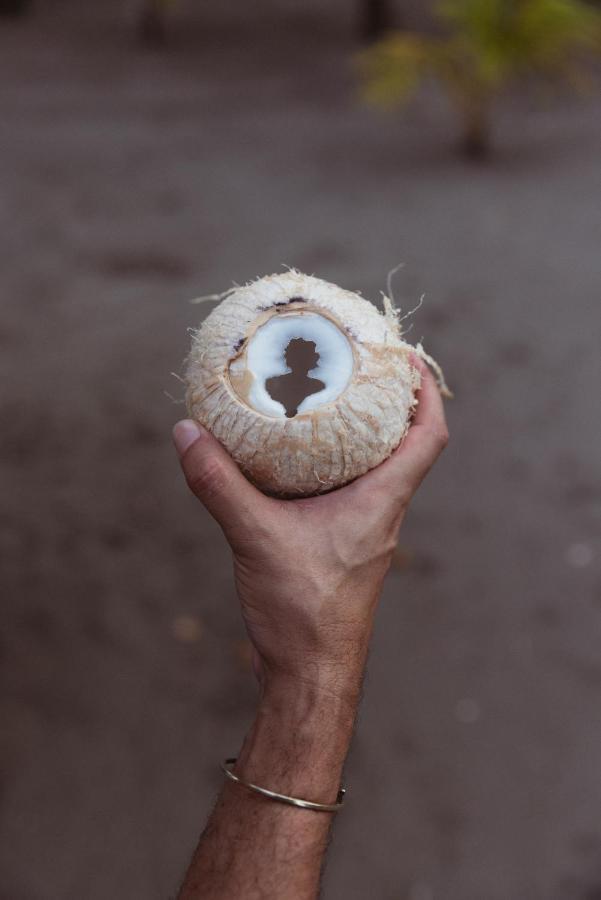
(283, 798)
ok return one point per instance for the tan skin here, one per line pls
(309, 574)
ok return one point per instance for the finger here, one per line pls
(427, 437)
(214, 477)
(401, 474)
(428, 432)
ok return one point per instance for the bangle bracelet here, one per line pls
(283, 798)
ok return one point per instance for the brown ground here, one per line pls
(132, 181)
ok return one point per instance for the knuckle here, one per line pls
(439, 437)
(207, 480)
(405, 492)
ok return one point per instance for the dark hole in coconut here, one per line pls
(291, 389)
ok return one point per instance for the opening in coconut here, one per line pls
(292, 364)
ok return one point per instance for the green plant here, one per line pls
(484, 46)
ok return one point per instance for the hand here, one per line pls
(309, 571)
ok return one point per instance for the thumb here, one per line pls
(213, 476)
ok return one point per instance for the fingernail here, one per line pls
(185, 433)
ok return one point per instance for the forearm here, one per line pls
(308, 574)
(254, 847)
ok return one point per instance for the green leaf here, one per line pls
(393, 68)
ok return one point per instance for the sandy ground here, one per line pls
(131, 181)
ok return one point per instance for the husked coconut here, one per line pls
(306, 385)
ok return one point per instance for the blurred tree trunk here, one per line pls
(477, 137)
(14, 7)
(152, 26)
(375, 17)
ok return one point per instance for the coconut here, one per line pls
(307, 385)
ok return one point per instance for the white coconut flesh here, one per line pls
(266, 359)
(359, 382)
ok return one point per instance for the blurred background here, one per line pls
(153, 152)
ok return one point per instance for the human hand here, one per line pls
(309, 571)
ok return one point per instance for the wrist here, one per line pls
(311, 696)
(317, 657)
(315, 687)
(300, 737)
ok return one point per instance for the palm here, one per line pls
(486, 45)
